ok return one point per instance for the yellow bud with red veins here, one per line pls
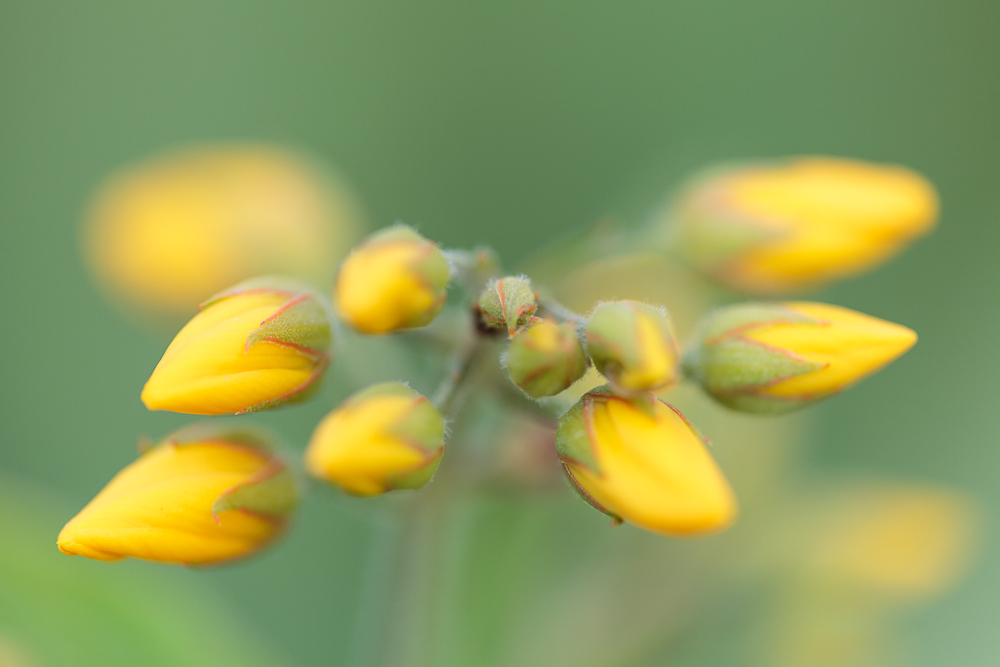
(259, 345)
(382, 438)
(633, 346)
(777, 227)
(777, 357)
(395, 279)
(545, 358)
(508, 303)
(206, 494)
(639, 460)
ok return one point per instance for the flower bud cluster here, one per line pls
(216, 492)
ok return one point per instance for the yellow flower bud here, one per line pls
(166, 233)
(260, 345)
(771, 358)
(508, 303)
(633, 345)
(779, 227)
(639, 460)
(204, 495)
(382, 438)
(396, 279)
(545, 358)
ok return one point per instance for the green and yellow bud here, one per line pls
(508, 303)
(204, 495)
(633, 345)
(382, 438)
(639, 460)
(777, 227)
(259, 345)
(396, 279)
(546, 358)
(776, 357)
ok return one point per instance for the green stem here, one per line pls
(560, 311)
(375, 593)
(446, 396)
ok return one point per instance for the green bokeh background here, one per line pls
(507, 123)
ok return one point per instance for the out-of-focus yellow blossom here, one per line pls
(640, 461)
(204, 495)
(382, 438)
(545, 358)
(396, 279)
(784, 226)
(508, 303)
(900, 540)
(633, 345)
(771, 358)
(169, 231)
(260, 345)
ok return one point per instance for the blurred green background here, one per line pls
(506, 123)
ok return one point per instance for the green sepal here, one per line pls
(573, 436)
(419, 477)
(271, 493)
(736, 364)
(509, 303)
(711, 232)
(228, 430)
(303, 321)
(761, 405)
(398, 231)
(590, 500)
(733, 320)
(573, 431)
(724, 361)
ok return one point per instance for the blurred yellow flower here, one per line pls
(164, 234)
(260, 345)
(640, 461)
(784, 226)
(779, 357)
(633, 345)
(901, 540)
(382, 438)
(204, 495)
(545, 358)
(395, 279)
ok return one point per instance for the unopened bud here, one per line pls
(206, 494)
(546, 358)
(777, 227)
(776, 357)
(382, 438)
(508, 303)
(639, 460)
(632, 344)
(259, 345)
(395, 279)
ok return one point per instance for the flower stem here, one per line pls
(560, 311)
